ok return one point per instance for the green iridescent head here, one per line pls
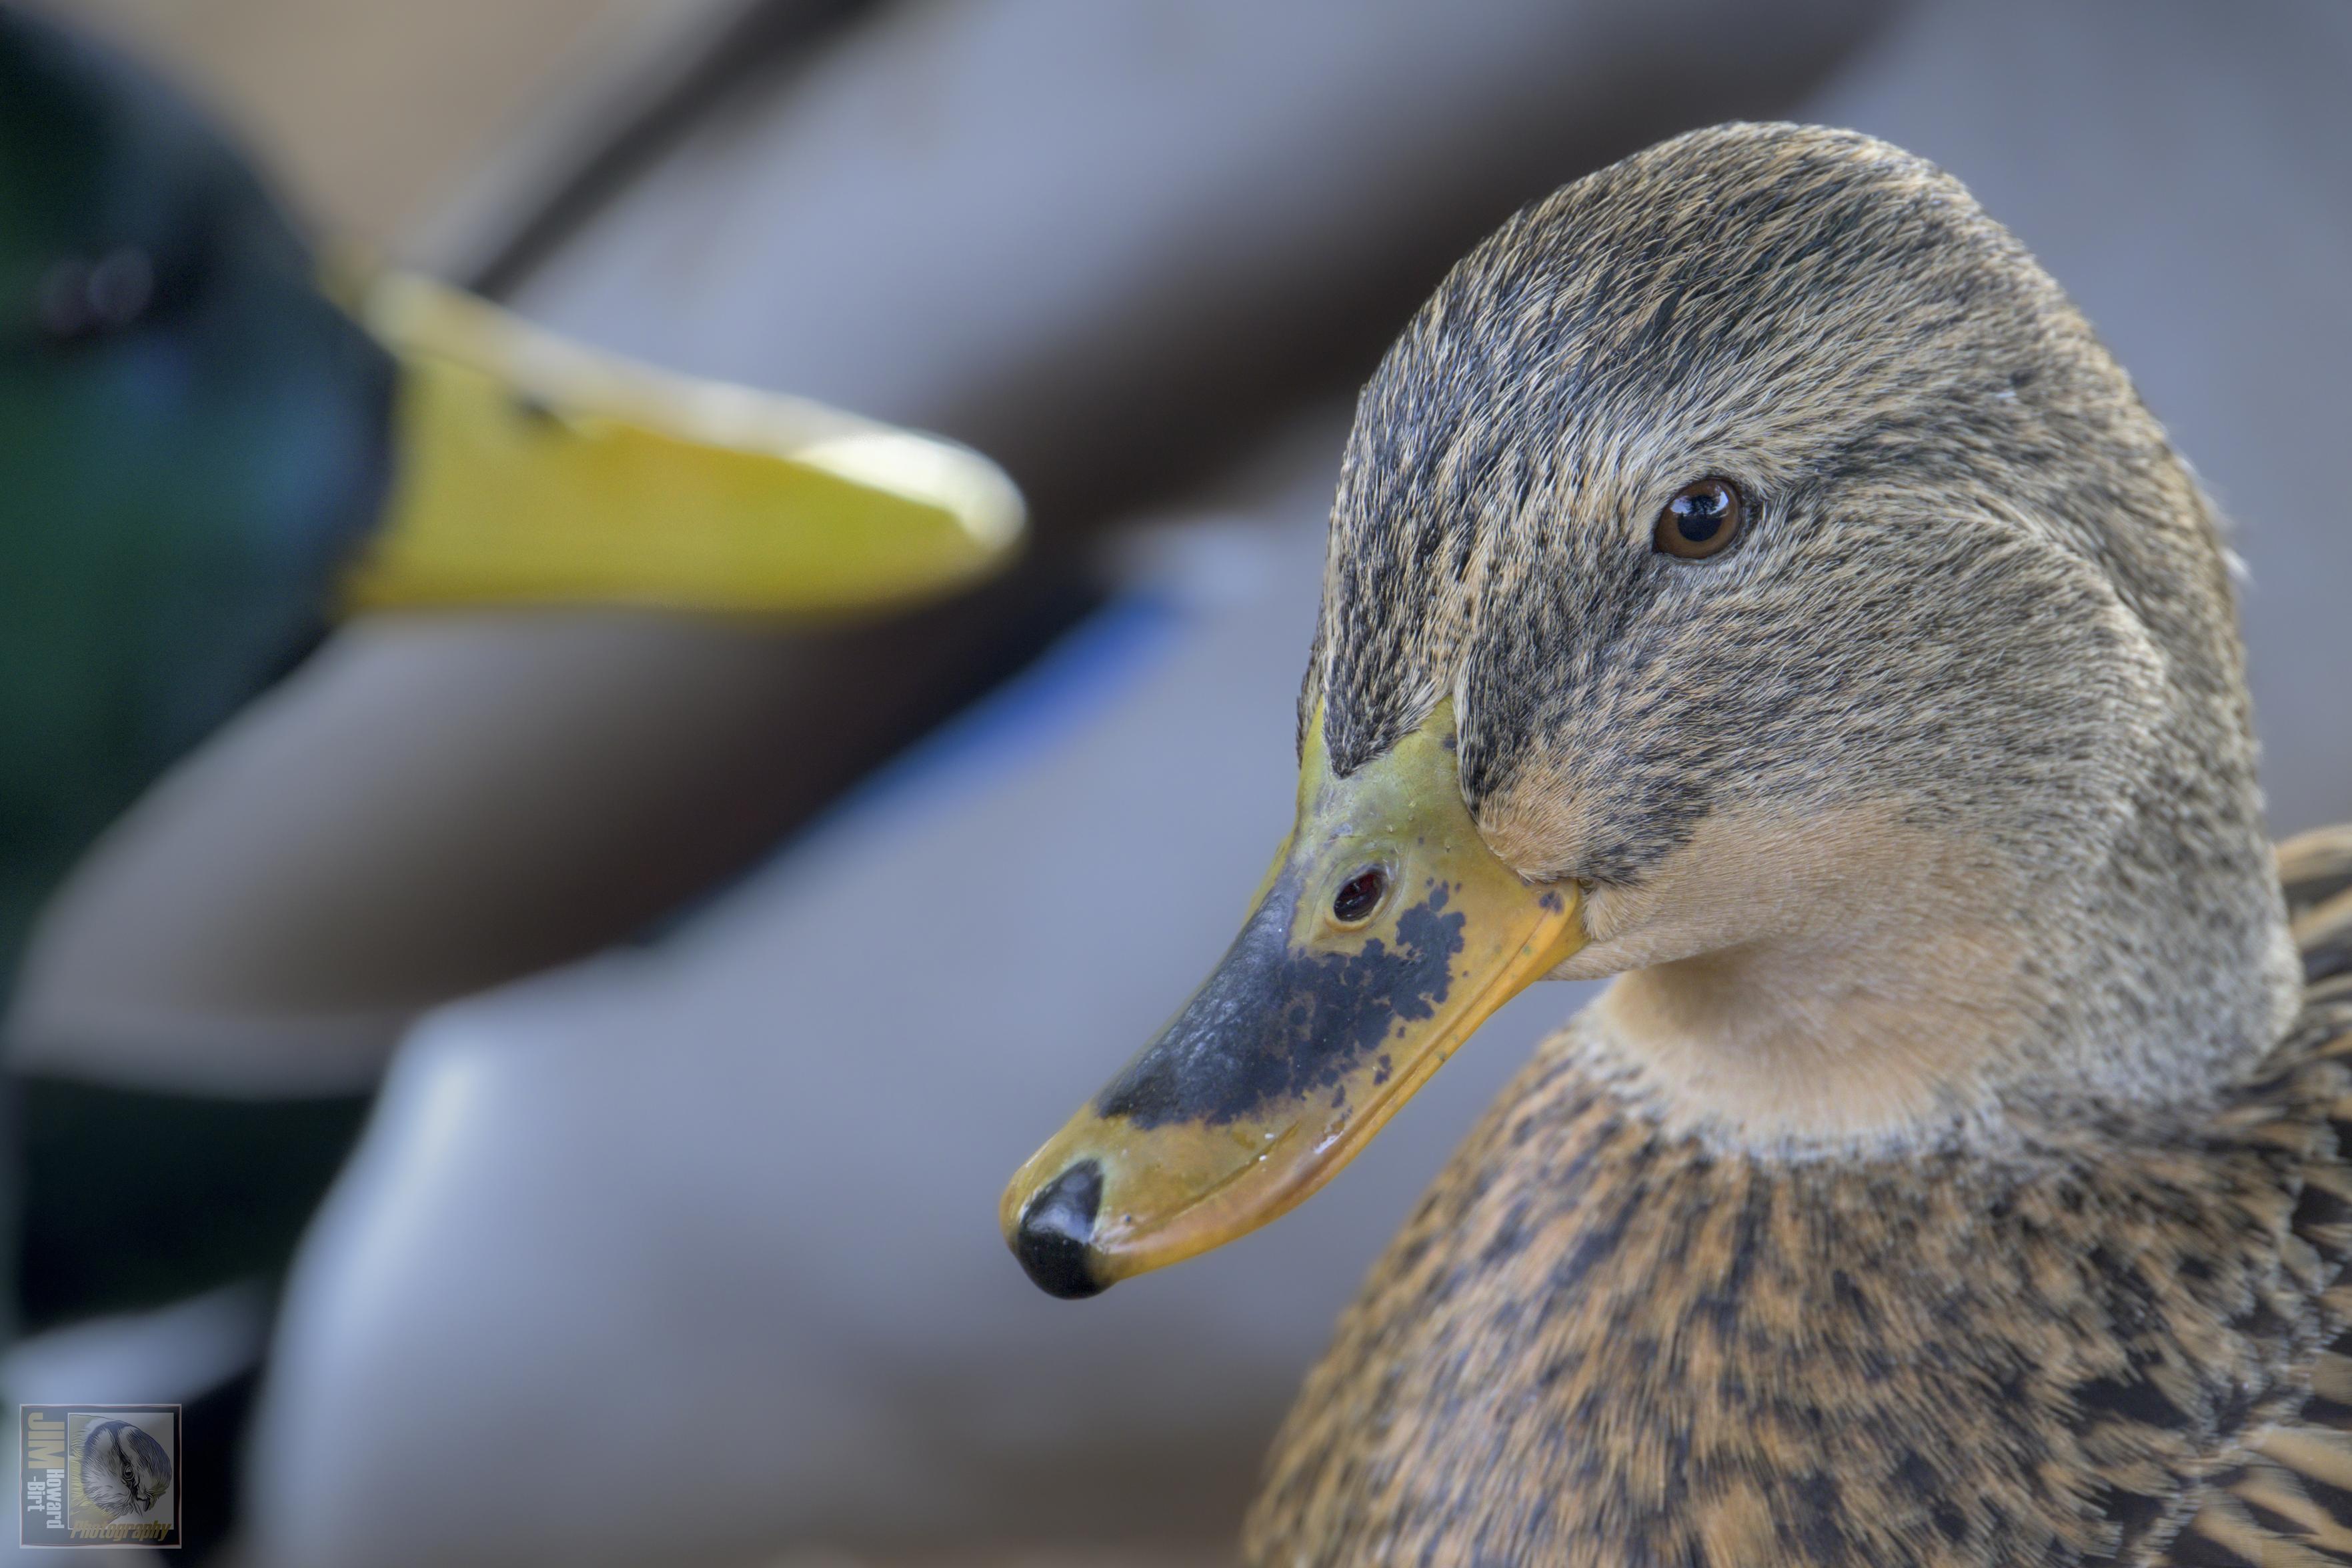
(193, 437)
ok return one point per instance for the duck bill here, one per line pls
(1385, 934)
(532, 470)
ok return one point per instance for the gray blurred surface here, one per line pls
(432, 805)
(1098, 241)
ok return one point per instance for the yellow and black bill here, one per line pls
(1386, 933)
(532, 470)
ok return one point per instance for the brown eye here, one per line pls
(1701, 520)
(1360, 896)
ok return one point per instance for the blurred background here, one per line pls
(554, 1072)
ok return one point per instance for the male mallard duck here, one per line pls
(204, 457)
(203, 454)
(1751, 579)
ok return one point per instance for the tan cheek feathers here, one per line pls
(1833, 975)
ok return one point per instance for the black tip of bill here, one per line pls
(1057, 1233)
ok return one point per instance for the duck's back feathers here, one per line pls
(2316, 868)
(2289, 1503)
(2120, 1342)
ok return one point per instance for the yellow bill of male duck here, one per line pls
(1750, 578)
(536, 470)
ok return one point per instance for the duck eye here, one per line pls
(1360, 896)
(121, 287)
(1701, 520)
(82, 300)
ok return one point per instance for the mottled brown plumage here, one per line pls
(1951, 1178)
(1597, 1345)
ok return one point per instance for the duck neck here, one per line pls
(1910, 985)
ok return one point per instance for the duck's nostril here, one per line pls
(1057, 1229)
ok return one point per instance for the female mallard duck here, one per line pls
(1750, 578)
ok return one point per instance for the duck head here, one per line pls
(193, 440)
(1750, 578)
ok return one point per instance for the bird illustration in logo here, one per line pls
(123, 1469)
